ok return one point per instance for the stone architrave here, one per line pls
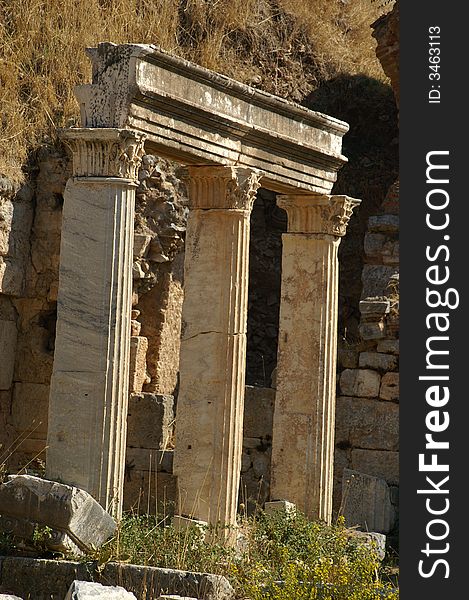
(209, 420)
(303, 430)
(89, 386)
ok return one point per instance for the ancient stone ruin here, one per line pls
(140, 396)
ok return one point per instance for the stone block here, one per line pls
(9, 597)
(374, 308)
(8, 336)
(390, 387)
(11, 276)
(388, 346)
(150, 459)
(366, 502)
(141, 243)
(77, 522)
(374, 244)
(88, 590)
(347, 358)
(150, 420)
(384, 224)
(29, 411)
(258, 412)
(149, 492)
(138, 363)
(379, 463)
(280, 506)
(371, 331)
(375, 541)
(376, 279)
(363, 383)
(368, 424)
(378, 361)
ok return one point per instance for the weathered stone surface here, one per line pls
(303, 431)
(76, 519)
(9, 597)
(376, 279)
(89, 386)
(138, 363)
(388, 346)
(209, 425)
(150, 420)
(347, 358)
(363, 383)
(8, 335)
(258, 412)
(378, 361)
(379, 463)
(145, 76)
(152, 492)
(375, 541)
(371, 331)
(366, 502)
(51, 579)
(384, 224)
(87, 590)
(374, 307)
(29, 408)
(390, 387)
(367, 424)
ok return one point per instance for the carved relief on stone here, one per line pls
(316, 213)
(230, 188)
(105, 152)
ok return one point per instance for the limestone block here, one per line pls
(371, 331)
(149, 492)
(367, 424)
(138, 363)
(378, 361)
(347, 358)
(258, 412)
(384, 224)
(388, 346)
(29, 411)
(390, 387)
(280, 505)
(366, 502)
(8, 336)
(375, 541)
(363, 383)
(87, 590)
(150, 420)
(374, 308)
(77, 521)
(141, 243)
(379, 463)
(376, 279)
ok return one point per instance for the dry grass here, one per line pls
(285, 46)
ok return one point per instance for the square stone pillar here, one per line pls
(89, 387)
(304, 416)
(209, 418)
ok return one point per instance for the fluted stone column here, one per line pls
(209, 420)
(304, 416)
(89, 386)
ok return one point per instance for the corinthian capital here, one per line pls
(222, 187)
(103, 152)
(317, 213)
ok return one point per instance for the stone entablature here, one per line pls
(195, 116)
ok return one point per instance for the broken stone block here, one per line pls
(375, 541)
(87, 590)
(371, 331)
(9, 597)
(258, 412)
(363, 383)
(374, 308)
(388, 346)
(279, 505)
(141, 243)
(66, 518)
(378, 361)
(138, 363)
(366, 502)
(379, 463)
(390, 387)
(376, 279)
(150, 420)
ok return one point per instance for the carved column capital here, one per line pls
(317, 213)
(105, 152)
(222, 187)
